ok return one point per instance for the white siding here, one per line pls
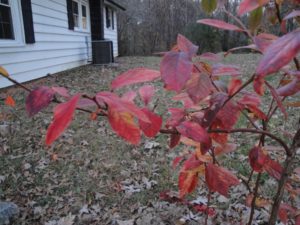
(111, 34)
(56, 49)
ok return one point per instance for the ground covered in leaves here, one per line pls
(91, 176)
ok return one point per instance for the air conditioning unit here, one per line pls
(102, 52)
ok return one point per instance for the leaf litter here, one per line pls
(89, 176)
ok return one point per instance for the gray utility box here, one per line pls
(102, 52)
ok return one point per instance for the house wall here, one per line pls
(56, 49)
(111, 34)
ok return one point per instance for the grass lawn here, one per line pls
(91, 176)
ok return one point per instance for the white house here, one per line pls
(38, 37)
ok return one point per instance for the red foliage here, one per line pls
(151, 129)
(219, 24)
(10, 101)
(249, 5)
(63, 115)
(176, 69)
(279, 53)
(134, 76)
(219, 179)
(146, 92)
(38, 99)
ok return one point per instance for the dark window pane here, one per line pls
(6, 26)
(113, 19)
(83, 11)
(107, 17)
(75, 7)
(4, 2)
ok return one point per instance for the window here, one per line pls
(11, 28)
(109, 16)
(84, 17)
(75, 13)
(80, 15)
(6, 24)
(107, 13)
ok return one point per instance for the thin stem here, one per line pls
(287, 170)
(16, 82)
(254, 199)
(239, 90)
(250, 177)
(240, 23)
(246, 130)
(207, 207)
(210, 77)
(54, 99)
(250, 120)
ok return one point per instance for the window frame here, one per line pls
(17, 23)
(80, 24)
(112, 19)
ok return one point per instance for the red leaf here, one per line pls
(176, 69)
(279, 53)
(38, 99)
(186, 45)
(263, 42)
(121, 116)
(185, 99)
(229, 115)
(249, 5)
(122, 122)
(219, 179)
(63, 115)
(234, 86)
(176, 161)
(146, 92)
(290, 89)
(216, 102)
(134, 76)
(61, 91)
(257, 159)
(174, 140)
(203, 208)
(284, 210)
(9, 101)
(273, 168)
(113, 101)
(194, 131)
(187, 182)
(192, 163)
(277, 99)
(151, 129)
(129, 96)
(218, 137)
(225, 70)
(251, 102)
(258, 85)
(219, 24)
(177, 116)
(199, 87)
(297, 222)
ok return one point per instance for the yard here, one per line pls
(91, 176)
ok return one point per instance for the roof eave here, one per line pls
(116, 4)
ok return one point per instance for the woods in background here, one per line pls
(149, 26)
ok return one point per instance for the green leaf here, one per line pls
(209, 5)
(255, 18)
